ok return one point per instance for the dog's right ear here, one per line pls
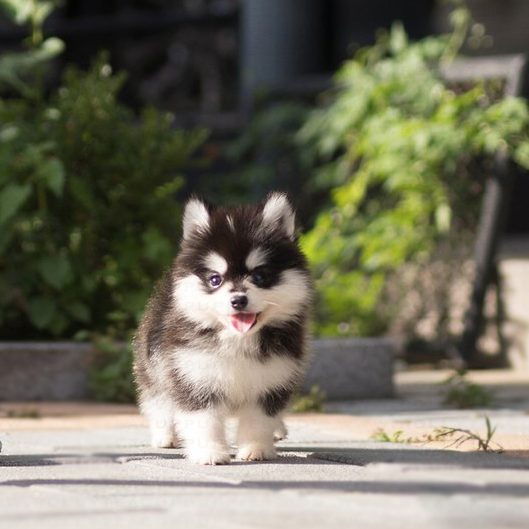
(196, 217)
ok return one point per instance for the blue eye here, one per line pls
(215, 280)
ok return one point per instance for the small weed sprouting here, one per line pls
(459, 436)
(311, 402)
(384, 437)
(462, 393)
(456, 437)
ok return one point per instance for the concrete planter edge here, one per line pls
(343, 368)
(353, 368)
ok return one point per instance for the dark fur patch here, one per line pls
(275, 401)
(191, 398)
(287, 338)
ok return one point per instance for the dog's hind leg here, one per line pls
(160, 413)
(280, 431)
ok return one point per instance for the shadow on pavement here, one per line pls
(316, 456)
(418, 456)
(365, 487)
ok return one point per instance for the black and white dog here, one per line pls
(225, 332)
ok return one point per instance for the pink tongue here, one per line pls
(243, 321)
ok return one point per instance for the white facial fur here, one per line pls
(230, 222)
(284, 300)
(277, 211)
(196, 218)
(216, 263)
(276, 304)
(257, 257)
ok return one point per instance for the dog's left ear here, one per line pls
(279, 214)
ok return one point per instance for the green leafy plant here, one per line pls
(265, 155)
(23, 70)
(110, 377)
(313, 401)
(397, 148)
(88, 207)
(88, 214)
(87, 192)
(462, 393)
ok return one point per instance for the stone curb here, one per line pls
(44, 370)
(342, 368)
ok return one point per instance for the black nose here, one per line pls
(239, 302)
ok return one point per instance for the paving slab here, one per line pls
(86, 465)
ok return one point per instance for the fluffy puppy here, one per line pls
(225, 332)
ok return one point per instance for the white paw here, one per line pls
(280, 432)
(212, 456)
(256, 452)
(163, 439)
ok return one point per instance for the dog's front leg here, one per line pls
(204, 437)
(255, 435)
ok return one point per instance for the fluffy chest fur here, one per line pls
(237, 375)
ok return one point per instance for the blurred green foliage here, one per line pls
(395, 146)
(111, 377)
(262, 157)
(24, 70)
(311, 402)
(462, 393)
(87, 209)
(88, 215)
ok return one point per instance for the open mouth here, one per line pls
(243, 321)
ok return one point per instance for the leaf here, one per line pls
(12, 198)
(6, 236)
(22, 11)
(55, 270)
(51, 171)
(42, 311)
(58, 324)
(79, 311)
(398, 39)
(41, 11)
(443, 218)
(15, 66)
(18, 10)
(156, 246)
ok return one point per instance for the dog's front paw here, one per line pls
(209, 456)
(256, 452)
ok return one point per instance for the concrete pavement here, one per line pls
(89, 466)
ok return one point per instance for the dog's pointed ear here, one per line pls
(278, 214)
(196, 217)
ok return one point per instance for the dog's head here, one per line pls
(241, 268)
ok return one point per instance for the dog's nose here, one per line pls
(239, 302)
